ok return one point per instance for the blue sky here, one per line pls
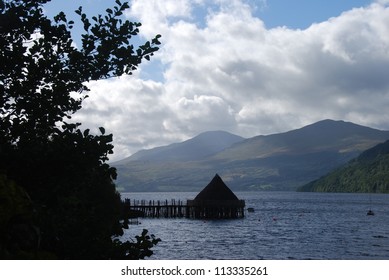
(302, 13)
(244, 66)
(293, 14)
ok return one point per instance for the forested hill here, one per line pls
(369, 172)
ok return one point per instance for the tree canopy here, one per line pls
(54, 178)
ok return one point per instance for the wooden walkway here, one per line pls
(179, 209)
(157, 209)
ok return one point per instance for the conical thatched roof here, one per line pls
(216, 190)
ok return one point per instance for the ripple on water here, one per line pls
(285, 225)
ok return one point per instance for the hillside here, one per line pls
(369, 172)
(280, 161)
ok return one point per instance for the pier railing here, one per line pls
(190, 209)
(157, 209)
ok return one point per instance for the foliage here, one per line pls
(369, 172)
(74, 207)
(18, 236)
(140, 249)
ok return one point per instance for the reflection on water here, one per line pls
(284, 225)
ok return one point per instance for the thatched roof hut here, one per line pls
(216, 190)
(216, 201)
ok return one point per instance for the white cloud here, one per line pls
(227, 71)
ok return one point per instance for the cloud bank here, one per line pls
(220, 68)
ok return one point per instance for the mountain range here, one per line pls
(282, 161)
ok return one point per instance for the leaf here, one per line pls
(102, 130)
(125, 6)
(86, 132)
(79, 11)
(86, 23)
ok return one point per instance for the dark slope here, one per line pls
(369, 172)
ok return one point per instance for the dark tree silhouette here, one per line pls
(57, 195)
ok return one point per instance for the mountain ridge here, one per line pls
(281, 161)
(204, 144)
(311, 138)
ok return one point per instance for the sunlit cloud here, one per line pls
(227, 71)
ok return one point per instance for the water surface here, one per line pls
(285, 225)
